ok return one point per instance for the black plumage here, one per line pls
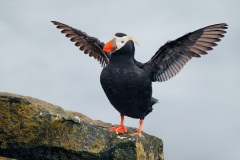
(127, 82)
(128, 88)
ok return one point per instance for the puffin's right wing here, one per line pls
(90, 45)
(172, 56)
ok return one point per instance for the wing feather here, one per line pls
(89, 45)
(210, 40)
(171, 57)
(206, 44)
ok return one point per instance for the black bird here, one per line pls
(127, 82)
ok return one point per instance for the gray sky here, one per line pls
(198, 116)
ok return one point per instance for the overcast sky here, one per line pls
(198, 114)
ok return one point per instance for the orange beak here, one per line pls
(108, 47)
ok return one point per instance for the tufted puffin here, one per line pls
(127, 82)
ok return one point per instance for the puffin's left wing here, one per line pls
(172, 56)
(90, 45)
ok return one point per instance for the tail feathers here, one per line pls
(154, 101)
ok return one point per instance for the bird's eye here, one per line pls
(122, 41)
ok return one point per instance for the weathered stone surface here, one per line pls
(34, 129)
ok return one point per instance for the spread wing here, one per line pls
(90, 45)
(172, 56)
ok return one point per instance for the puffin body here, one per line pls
(128, 88)
(128, 83)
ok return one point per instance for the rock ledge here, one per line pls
(34, 129)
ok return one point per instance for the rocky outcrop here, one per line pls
(34, 129)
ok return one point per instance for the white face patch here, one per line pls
(121, 41)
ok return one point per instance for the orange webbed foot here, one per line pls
(119, 129)
(139, 133)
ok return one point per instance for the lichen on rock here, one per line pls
(34, 129)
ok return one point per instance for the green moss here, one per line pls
(122, 151)
(141, 155)
(20, 125)
(151, 156)
(74, 128)
(161, 155)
